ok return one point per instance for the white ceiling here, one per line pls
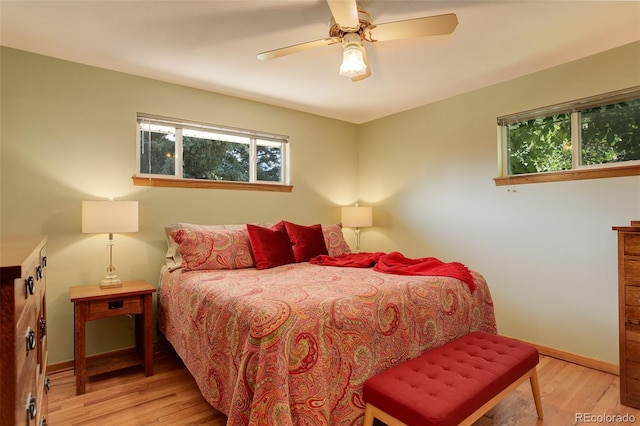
(213, 45)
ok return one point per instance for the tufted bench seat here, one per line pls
(454, 384)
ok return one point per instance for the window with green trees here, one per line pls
(592, 132)
(187, 150)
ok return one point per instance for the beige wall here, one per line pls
(547, 250)
(68, 134)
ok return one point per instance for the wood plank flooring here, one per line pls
(171, 397)
(126, 397)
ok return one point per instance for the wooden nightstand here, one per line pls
(90, 302)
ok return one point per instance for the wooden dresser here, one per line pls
(629, 312)
(23, 327)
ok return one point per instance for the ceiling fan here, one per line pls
(351, 25)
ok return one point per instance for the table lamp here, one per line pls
(357, 217)
(109, 217)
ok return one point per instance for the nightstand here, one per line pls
(90, 303)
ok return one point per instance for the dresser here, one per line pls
(629, 312)
(23, 331)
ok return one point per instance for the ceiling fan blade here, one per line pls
(345, 13)
(419, 27)
(272, 54)
(366, 61)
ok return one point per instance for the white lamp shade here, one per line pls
(107, 217)
(357, 216)
(352, 62)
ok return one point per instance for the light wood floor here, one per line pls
(171, 397)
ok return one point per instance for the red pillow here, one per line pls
(270, 246)
(306, 241)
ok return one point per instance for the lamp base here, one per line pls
(357, 231)
(110, 281)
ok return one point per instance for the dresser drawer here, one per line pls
(40, 273)
(26, 339)
(632, 304)
(631, 272)
(43, 390)
(632, 385)
(632, 314)
(42, 345)
(25, 289)
(632, 338)
(632, 295)
(114, 306)
(26, 396)
(632, 244)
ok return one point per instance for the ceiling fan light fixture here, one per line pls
(353, 63)
(352, 25)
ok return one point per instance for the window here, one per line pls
(173, 152)
(588, 138)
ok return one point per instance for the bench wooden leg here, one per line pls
(368, 416)
(371, 413)
(535, 388)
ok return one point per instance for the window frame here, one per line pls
(176, 180)
(578, 171)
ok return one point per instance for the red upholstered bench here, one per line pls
(454, 384)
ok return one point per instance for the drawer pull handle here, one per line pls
(31, 407)
(29, 286)
(116, 304)
(38, 272)
(31, 339)
(43, 327)
(43, 421)
(44, 260)
(47, 384)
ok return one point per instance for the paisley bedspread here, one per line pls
(294, 344)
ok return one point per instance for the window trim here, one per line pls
(173, 182)
(571, 106)
(566, 175)
(578, 172)
(176, 180)
(198, 125)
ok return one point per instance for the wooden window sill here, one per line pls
(167, 182)
(565, 175)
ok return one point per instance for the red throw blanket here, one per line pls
(398, 264)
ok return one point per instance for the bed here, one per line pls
(292, 344)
